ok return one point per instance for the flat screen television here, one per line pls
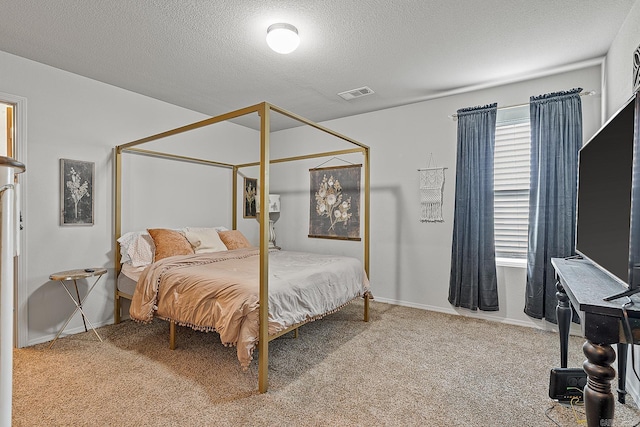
(607, 219)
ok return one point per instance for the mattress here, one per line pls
(128, 278)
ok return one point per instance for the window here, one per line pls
(511, 182)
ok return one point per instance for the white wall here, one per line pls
(159, 192)
(619, 62)
(410, 260)
(619, 88)
(73, 117)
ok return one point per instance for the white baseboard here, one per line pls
(533, 323)
(67, 332)
(632, 388)
(632, 385)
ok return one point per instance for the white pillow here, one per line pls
(218, 229)
(136, 248)
(141, 250)
(125, 240)
(204, 239)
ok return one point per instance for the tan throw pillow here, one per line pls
(169, 243)
(234, 239)
(204, 240)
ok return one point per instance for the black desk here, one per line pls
(584, 286)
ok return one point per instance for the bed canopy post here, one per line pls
(234, 199)
(117, 154)
(367, 190)
(263, 337)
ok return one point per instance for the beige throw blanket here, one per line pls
(220, 292)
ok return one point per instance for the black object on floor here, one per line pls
(566, 384)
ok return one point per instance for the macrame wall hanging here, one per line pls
(431, 192)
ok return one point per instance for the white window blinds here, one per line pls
(511, 184)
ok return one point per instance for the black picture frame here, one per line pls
(250, 192)
(76, 192)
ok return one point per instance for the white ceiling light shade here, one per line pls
(283, 38)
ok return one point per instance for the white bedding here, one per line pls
(220, 291)
(304, 285)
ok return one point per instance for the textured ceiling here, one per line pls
(211, 56)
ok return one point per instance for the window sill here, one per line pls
(511, 262)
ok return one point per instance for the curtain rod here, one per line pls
(584, 93)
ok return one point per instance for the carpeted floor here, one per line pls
(406, 367)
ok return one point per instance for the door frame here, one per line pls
(21, 294)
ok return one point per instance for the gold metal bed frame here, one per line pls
(264, 111)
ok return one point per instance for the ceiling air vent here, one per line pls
(355, 93)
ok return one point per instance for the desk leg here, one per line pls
(623, 349)
(563, 314)
(598, 398)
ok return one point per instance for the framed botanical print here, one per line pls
(250, 194)
(76, 192)
(334, 211)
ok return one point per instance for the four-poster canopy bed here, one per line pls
(261, 266)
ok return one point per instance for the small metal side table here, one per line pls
(73, 275)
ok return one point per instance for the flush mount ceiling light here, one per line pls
(283, 38)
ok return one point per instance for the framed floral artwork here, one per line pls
(334, 211)
(250, 195)
(76, 192)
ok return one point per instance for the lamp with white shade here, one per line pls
(274, 215)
